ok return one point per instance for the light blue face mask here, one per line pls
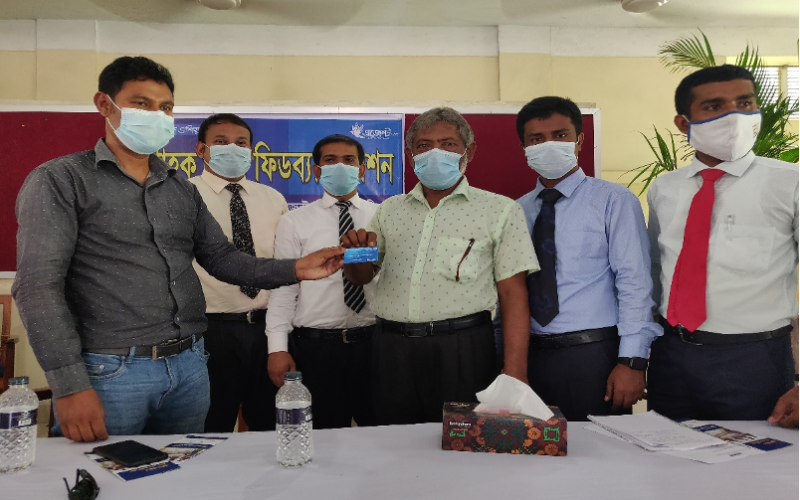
(438, 169)
(142, 131)
(231, 161)
(339, 179)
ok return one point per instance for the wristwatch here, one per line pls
(634, 363)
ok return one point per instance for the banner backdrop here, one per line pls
(282, 147)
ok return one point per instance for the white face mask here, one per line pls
(726, 137)
(552, 159)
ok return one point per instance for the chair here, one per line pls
(7, 344)
(7, 354)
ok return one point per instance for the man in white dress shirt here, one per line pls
(723, 236)
(325, 329)
(248, 213)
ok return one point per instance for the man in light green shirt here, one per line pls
(447, 252)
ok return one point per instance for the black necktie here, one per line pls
(353, 294)
(242, 237)
(542, 286)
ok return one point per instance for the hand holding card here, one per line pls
(360, 255)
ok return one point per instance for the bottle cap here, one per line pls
(19, 381)
(293, 377)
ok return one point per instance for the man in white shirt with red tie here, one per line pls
(723, 237)
(325, 330)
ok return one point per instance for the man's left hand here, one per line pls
(625, 386)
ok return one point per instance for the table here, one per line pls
(407, 462)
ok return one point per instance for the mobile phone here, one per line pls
(130, 453)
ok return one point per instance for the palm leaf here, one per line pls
(666, 159)
(689, 52)
(792, 155)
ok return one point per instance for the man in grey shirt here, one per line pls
(105, 285)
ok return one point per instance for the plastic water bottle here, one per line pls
(293, 422)
(18, 408)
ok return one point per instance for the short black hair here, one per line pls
(725, 73)
(222, 118)
(126, 68)
(545, 107)
(331, 139)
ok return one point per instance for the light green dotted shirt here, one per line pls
(421, 248)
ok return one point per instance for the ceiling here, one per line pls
(557, 13)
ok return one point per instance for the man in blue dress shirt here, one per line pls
(591, 306)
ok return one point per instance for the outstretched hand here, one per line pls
(319, 264)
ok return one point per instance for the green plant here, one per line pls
(774, 140)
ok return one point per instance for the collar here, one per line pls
(217, 184)
(566, 187)
(461, 190)
(736, 168)
(328, 201)
(158, 169)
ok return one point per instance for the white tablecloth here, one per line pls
(407, 462)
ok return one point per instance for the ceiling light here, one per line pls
(639, 6)
(220, 4)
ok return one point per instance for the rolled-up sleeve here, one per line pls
(223, 261)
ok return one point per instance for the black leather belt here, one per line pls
(560, 340)
(699, 337)
(252, 317)
(345, 335)
(165, 349)
(443, 327)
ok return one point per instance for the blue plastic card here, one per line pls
(359, 255)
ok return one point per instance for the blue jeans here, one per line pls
(145, 396)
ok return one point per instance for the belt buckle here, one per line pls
(429, 329)
(155, 351)
(410, 330)
(250, 317)
(681, 330)
(345, 340)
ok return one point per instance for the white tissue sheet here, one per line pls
(512, 395)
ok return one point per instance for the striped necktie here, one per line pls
(353, 294)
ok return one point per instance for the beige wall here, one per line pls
(624, 79)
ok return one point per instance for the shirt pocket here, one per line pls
(581, 253)
(743, 249)
(456, 258)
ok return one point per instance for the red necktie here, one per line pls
(687, 297)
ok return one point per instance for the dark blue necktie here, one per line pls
(542, 286)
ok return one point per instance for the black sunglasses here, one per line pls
(85, 486)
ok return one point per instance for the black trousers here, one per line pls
(414, 376)
(574, 378)
(718, 382)
(237, 370)
(338, 377)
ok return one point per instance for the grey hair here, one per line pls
(433, 116)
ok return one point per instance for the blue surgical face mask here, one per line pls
(552, 159)
(438, 169)
(339, 179)
(230, 160)
(142, 131)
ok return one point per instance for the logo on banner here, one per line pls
(360, 132)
